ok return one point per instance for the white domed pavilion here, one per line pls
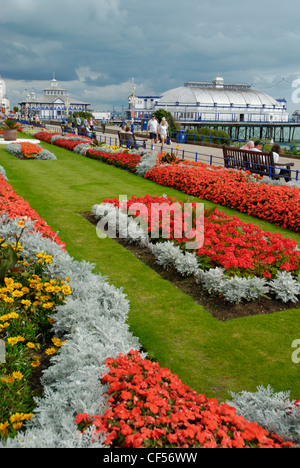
(216, 101)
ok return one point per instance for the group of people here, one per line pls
(88, 124)
(276, 150)
(158, 130)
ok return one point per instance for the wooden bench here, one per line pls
(257, 162)
(84, 132)
(128, 139)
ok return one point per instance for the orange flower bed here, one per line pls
(29, 150)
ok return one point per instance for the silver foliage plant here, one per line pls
(234, 290)
(93, 321)
(273, 411)
(147, 162)
(3, 173)
(82, 148)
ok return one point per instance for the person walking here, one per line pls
(163, 132)
(103, 124)
(91, 124)
(152, 129)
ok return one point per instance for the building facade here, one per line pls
(215, 101)
(55, 104)
(4, 102)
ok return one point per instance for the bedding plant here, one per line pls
(149, 407)
(27, 150)
(27, 299)
(241, 249)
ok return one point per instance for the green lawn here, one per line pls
(211, 357)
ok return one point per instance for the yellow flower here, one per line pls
(40, 255)
(30, 345)
(35, 363)
(8, 379)
(36, 277)
(66, 290)
(8, 281)
(17, 425)
(26, 302)
(50, 351)
(57, 342)
(13, 315)
(48, 305)
(17, 375)
(17, 294)
(4, 428)
(17, 417)
(14, 340)
(8, 299)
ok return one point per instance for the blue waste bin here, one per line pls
(181, 136)
(144, 124)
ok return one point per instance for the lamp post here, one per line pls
(132, 102)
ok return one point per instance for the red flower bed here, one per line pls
(229, 243)
(122, 159)
(15, 206)
(278, 205)
(151, 407)
(45, 136)
(67, 144)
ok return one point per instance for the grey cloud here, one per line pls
(162, 44)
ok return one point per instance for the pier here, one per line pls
(280, 132)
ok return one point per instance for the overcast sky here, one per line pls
(96, 47)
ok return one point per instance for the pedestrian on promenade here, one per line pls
(163, 132)
(103, 124)
(152, 129)
(91, 124)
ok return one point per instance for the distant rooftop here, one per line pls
(217, 83)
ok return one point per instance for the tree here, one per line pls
(83, 115)
(160, 113)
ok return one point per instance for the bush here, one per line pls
(209, 135)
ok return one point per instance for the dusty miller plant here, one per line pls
(273, 411)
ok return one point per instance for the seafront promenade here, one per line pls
(193, 152)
